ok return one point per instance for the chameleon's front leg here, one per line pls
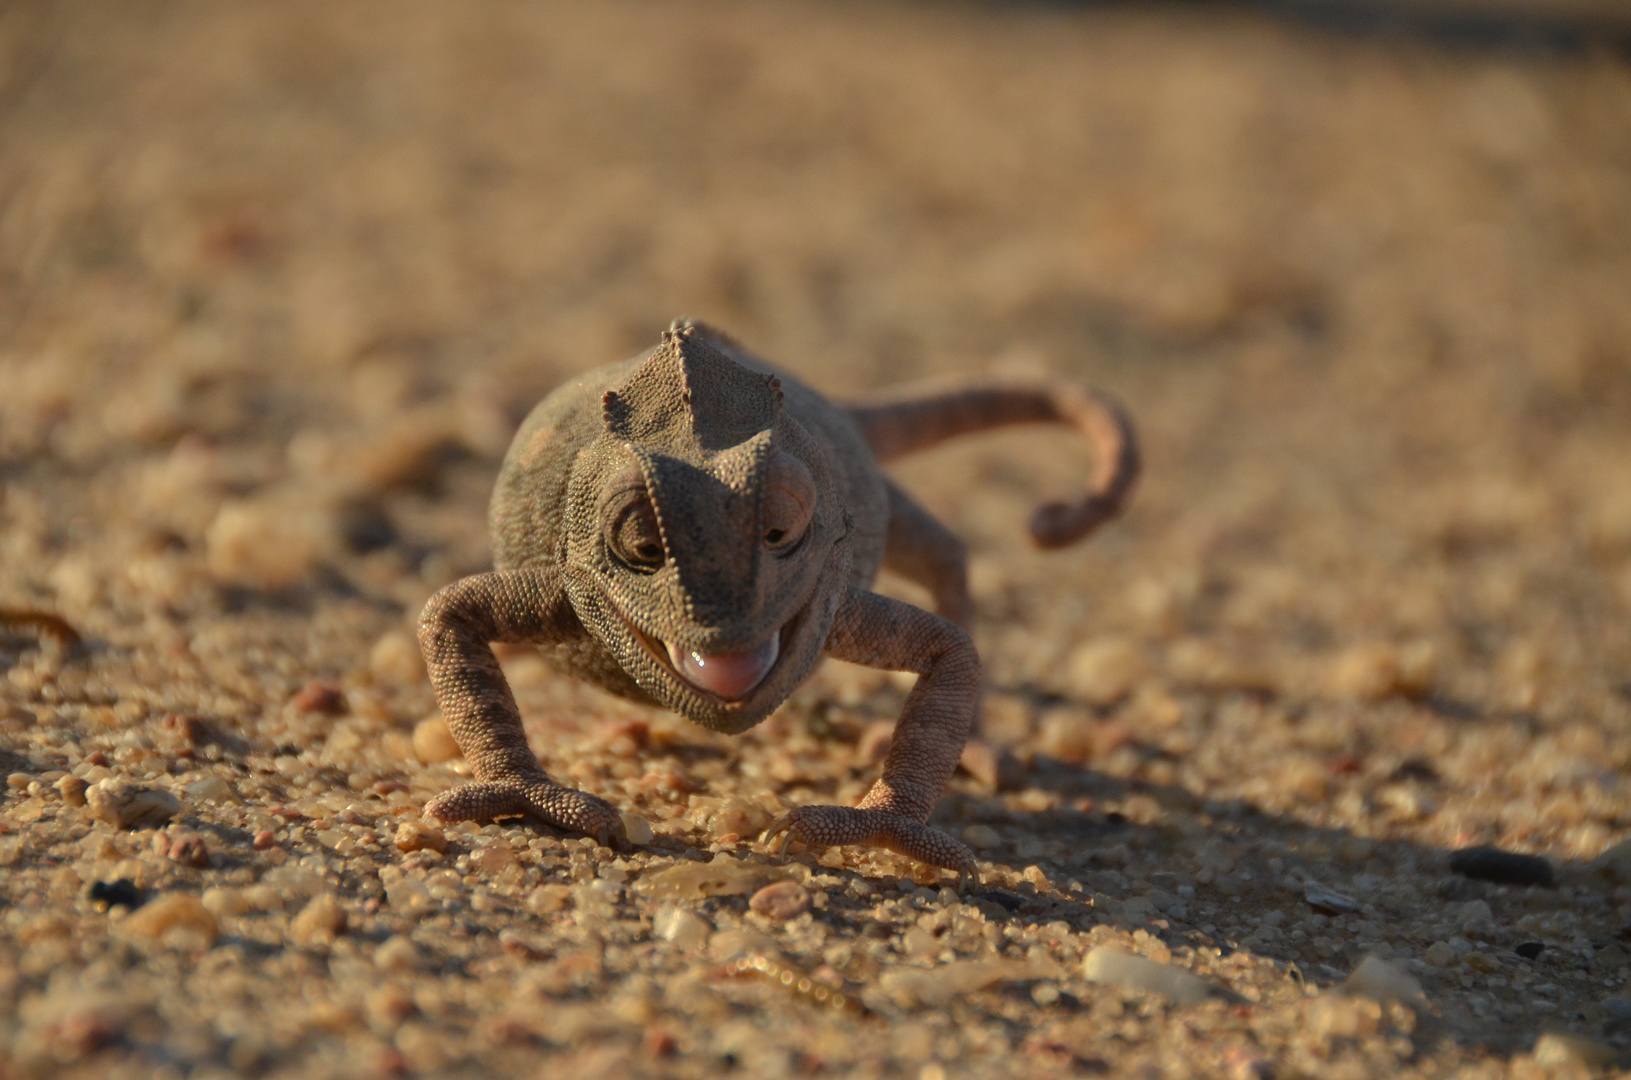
(455, 630)
(929, 736)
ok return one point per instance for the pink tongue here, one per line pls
(730, 675)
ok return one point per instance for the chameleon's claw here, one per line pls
(969, 871)
(783, 826)
(612, 836)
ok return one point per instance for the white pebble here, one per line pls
(637, 829)
(128, 806)
(1113, 967)
(1379, 980)
(682, 928)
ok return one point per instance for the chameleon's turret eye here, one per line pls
(788, 502)
(632, 533)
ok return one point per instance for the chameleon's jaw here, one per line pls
(731, 676)
(715, 681)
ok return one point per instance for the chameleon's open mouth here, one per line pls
(727, 675)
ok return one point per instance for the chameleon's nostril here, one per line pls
(728, 675)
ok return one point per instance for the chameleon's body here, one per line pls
(689, 529)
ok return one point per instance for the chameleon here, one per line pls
(696, 529)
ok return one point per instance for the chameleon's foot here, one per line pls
(824, 826)
(562, 807)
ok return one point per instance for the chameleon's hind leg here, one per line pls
(920, 549)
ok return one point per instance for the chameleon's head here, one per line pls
(717, 554)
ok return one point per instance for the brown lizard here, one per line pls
(692, 529)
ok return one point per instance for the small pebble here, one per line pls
(264, 839)
(1530, 950)
(129, 806)
(418, 836)
(188, 730)
(321, 920)
(396, 660)
(174, 911)
(1379, 980)
(387, 1006)
(724, 876)
(398, 953)
(637, 830)
(493, 858)
(1328, 901)
(1439, 954)
(1559, 1050)
(223, 903)
(432, 742)
(682, 928)
(72, 789)
(914, 986)
(781, 901)
(522, 946)
(266, 543)
(544, 900)
(1367, 672)
(1502, 867)
(183, 846)
(318, 697)
(1475, 916)
(1114, 967)
(1103, 671)
(213, 789)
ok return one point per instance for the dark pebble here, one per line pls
(1530, 949)
(1004, 899)
(1503, 867)
(111, 894)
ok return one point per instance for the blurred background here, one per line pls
(278, 279)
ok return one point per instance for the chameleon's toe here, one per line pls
(825, 826)
(562, 807)
(613, 835)
(968, 873)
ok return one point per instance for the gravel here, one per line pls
(275, 289)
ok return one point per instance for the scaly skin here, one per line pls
(689, 529)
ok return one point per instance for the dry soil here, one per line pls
(278, 279)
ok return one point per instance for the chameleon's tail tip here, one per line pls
(1061, 524)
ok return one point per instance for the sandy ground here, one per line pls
(277, 280)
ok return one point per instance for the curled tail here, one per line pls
(897, 428)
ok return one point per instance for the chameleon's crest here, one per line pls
(692, 398)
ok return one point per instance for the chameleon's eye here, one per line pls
(787, 504)
(633, 535)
